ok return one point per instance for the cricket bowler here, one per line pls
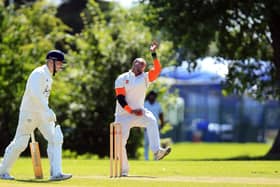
(130, 88)
(35, 113)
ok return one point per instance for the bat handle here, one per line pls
(32, 136)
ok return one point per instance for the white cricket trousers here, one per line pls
(148, 121)
(28, 121)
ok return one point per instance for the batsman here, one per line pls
(35, 113)
(130, 88)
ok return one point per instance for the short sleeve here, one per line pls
(119, 83)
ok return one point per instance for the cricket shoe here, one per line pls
(60, 177)
(160, 154)
(124, 174)
(6, 176)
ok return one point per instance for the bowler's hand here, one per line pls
(137, 112)
(154, 46)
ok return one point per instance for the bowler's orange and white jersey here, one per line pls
(135, 90)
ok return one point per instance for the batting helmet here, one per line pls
(56, 55)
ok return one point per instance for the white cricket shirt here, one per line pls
(37, 90)
(135, 89)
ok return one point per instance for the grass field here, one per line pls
(188, 165)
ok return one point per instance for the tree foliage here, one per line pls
(235, 30)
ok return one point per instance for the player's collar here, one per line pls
(47, 70)
(132, 73)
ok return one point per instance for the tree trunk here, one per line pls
(274, 26)
(274, 151)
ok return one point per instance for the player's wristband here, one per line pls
(154, 55)
(127, 108)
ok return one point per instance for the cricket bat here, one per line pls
(36, 158)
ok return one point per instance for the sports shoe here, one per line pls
(160, 154)
(124, 174)
(60, 177)
(6, 176)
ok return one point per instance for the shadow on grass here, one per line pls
(34, 180)
(137, 176)
(238, 158)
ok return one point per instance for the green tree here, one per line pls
(238, 30)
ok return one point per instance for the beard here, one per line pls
(137, 71)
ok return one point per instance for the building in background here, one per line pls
(210, 116)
